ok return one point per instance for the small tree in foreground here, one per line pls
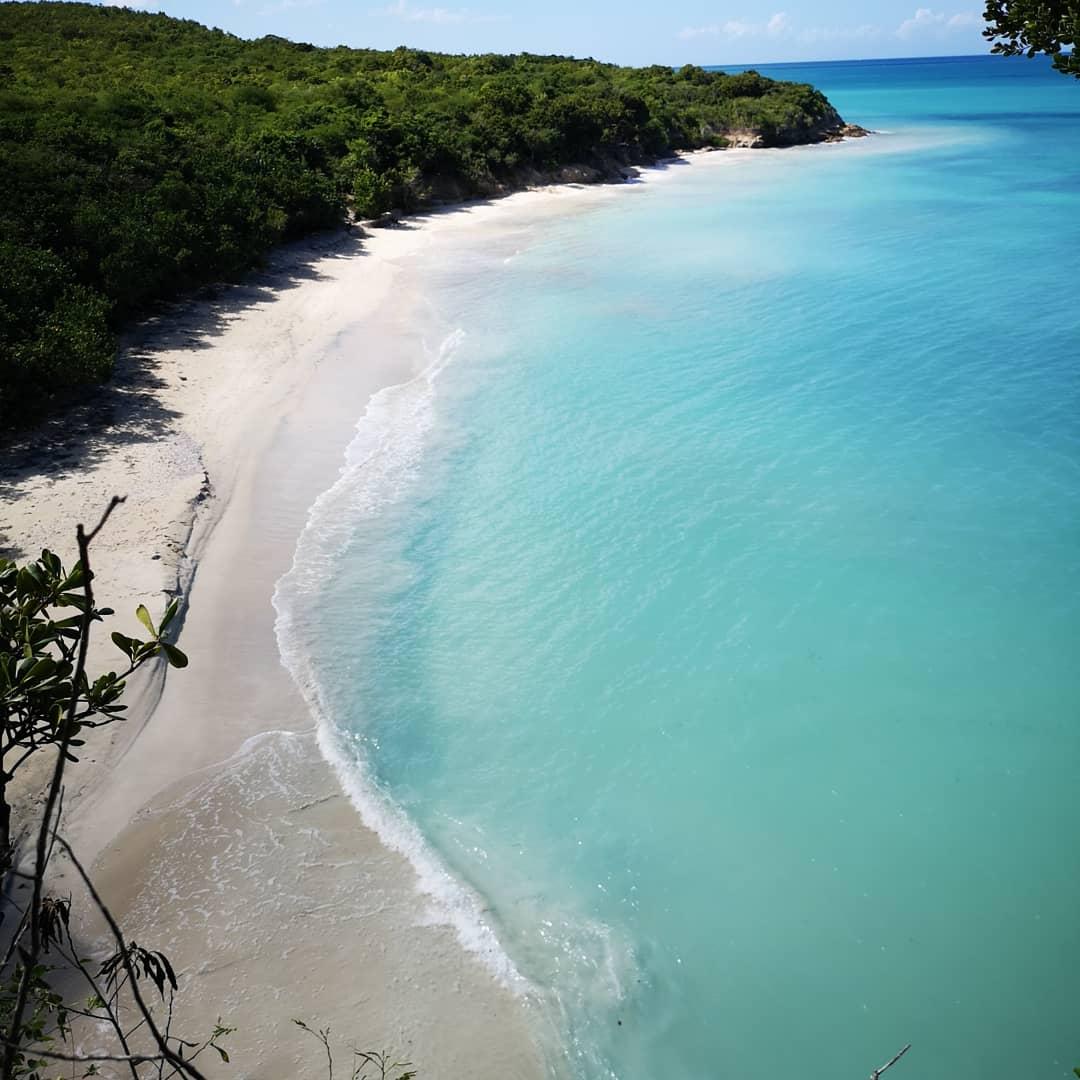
(46, 697)
(46, 701)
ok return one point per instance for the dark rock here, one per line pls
(745, 140)
(388, 220)
(847, 131)
(577, 174)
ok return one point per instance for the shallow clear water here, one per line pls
(712, 608)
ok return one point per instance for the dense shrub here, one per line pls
(142, 155)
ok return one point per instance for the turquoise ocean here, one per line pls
(705, 621)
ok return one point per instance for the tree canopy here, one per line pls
(1027, 27)
(144, 155)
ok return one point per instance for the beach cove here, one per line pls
(690, 617)
(215, 826)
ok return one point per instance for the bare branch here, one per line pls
(43, 922)
(890, 1063)
(75, 960)
(323, 1036)
(114, 502)
(185, 1068)
(52, 1055)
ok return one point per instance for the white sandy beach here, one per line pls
(215, 827)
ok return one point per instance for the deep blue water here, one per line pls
(713, 612)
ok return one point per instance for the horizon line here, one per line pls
(864, 60)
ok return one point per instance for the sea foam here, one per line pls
(381, 465)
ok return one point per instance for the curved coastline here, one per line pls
(382, 457)
(225, 770)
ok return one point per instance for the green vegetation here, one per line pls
(1029, 27)
(47, 703)
(46, 698)
(143, 155)
(127, 998)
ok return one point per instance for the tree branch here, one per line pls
(30, 957)
(890, 1063)
(132, 1059)
(185, 1068)
(73, 958)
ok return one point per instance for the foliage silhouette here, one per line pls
(47, 700)
(1029, 27)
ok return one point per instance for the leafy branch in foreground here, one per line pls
(46, 701)
(46, 697)
(1028, 27)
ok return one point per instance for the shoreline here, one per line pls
(217, 796)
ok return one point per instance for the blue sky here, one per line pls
(671, 32)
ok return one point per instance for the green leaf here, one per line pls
(170, 613)
(175, 657)
(45, 666)
(144, 617)
(29, 579)
(224, 1055)
(125, 644)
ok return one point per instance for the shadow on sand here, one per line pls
(128, 410)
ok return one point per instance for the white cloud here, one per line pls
(924, 24)
(780, 26)
(866, 32)
(927, 23)
(402, 10)
(739, 28)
